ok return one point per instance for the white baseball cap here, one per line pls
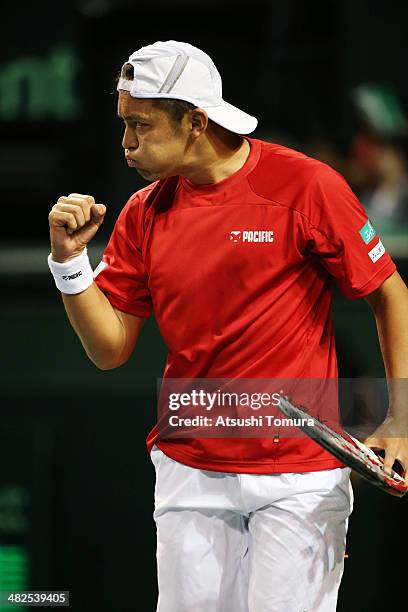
(178, 70)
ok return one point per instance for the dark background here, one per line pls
(76, 483)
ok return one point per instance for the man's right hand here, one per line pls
(74, 221)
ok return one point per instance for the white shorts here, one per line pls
(249, 542)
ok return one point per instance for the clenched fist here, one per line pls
(74, 221)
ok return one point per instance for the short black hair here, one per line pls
(175, 109)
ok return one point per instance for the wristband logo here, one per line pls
(72, 276)
(251, 236)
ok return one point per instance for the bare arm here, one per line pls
(390, 308)
(107, 334)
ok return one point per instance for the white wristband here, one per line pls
(73, 276)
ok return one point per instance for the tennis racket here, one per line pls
(348, 450)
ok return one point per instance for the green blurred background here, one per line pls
(76, 482)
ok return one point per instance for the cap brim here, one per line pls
(232, 118)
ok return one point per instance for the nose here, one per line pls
(129, 140)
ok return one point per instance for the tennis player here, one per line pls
(234, 245)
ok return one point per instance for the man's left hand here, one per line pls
(392, 437)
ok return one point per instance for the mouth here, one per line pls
(131, 162)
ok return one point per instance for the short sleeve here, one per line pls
(343, 238)
(121, 274)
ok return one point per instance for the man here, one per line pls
(234, 246)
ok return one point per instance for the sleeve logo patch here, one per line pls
(377, 252)
(367, 232)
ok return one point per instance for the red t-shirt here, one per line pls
(231, 308)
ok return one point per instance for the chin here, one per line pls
(150, 175)
(147, 174)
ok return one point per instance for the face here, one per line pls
(153, 144)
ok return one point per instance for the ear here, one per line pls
(199, 121)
